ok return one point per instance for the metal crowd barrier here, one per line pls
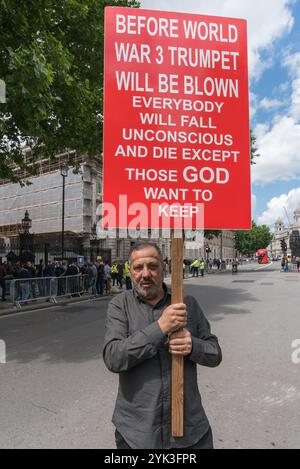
(48, 288)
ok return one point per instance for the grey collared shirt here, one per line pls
(136, 348)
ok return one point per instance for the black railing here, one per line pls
(45, 251)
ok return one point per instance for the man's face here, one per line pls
(146, 270)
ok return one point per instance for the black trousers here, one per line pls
(206, 442)
(2, 284)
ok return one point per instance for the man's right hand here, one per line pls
(174, 317)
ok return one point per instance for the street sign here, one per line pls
(176, 120)
(80, 261)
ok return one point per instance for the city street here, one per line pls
(55, 391)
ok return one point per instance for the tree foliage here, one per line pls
(210, 234)
(51, 60)
(248, 242)
(253, 149)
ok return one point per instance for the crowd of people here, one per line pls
(35, 280)
(285, 261)
(99, 276)
(202, 266)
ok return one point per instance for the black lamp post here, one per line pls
(26, 223)
(64, 173)
(26, 239)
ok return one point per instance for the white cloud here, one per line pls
(254, 105)
(282, 88)
(279, 145)
(275, 208)
(260, 131)
(278, 142)
(267, 103)
(253, 204)
(293, 63)
(279, 148)
(268, 20)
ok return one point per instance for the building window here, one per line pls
(119, 248)
(102, 243)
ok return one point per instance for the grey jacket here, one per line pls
(136, 348)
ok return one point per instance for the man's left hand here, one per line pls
(180, 343)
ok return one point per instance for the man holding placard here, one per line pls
(137, 346)
(179, 153)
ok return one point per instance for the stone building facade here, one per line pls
(288, 234)
(42, 198)
(221, 247)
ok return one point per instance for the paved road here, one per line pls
(56, 393)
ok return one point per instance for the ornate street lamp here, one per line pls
(26, 223)
(26, 239)
(64, 173)
(94, 231)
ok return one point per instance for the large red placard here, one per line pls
(176, 120)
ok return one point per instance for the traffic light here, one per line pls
(207, 248)
(283, 245)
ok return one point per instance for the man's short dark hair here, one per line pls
(138, 246)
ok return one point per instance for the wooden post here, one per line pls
(177, 362)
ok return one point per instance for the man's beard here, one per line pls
(148, 293)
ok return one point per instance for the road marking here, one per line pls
(21, 313)
(264, 266)
(2, 351)
(56, 306)
(243, 281)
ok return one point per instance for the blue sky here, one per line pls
(274, 68)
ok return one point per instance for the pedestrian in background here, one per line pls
(114, 273)
(107, 277)
(100, 277)
(202, 267)
(195, 268)
(32, 285)
(234, 264)
(286, 264)
(2, 279)
(24, 287)
(127, 276)
(92, 276)
(120, 269)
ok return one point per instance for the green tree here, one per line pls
(248, 242)
(253, 149)
(51, 59)
(210, 234)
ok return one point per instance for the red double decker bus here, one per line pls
(262, 256)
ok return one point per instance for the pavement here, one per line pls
(57, 393)
(7, 308)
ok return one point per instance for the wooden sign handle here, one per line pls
(177, 361)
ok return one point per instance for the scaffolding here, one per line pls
(43, 199)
